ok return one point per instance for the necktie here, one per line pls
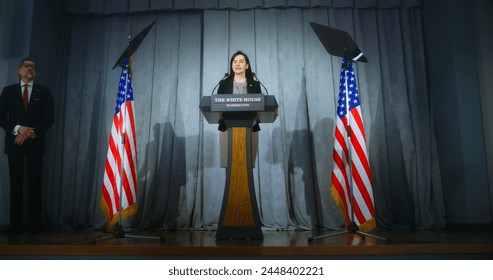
(25, 96)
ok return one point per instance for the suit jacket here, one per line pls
(39, 115)
(226, 87)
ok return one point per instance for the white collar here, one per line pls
(30, 83)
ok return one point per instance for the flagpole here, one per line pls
(352, 227)
(132, 46)
(119, 233)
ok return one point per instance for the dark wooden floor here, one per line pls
(405, 244)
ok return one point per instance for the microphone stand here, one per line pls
(225, 76)
(255, 76)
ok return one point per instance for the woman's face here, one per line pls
(239, 65)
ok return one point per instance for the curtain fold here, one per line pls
(180, 183)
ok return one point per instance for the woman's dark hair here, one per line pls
(248, 72)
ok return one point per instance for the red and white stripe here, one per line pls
(364, 210)
(118, 179)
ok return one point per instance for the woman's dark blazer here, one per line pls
(226, 87)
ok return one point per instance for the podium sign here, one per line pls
(237, 102)
(239, 216)
(214, 113)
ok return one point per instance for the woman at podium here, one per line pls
(239, 81)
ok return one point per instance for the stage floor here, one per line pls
(196, 244)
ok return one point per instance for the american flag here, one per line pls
(364, 210)
(120, 176)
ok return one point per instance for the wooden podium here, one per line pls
(239, 217)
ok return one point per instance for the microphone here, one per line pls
(255, 76)
(225, 76)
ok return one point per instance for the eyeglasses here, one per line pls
(29, 65)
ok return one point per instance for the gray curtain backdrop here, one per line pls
(184, 56)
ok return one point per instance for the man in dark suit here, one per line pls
(26, 113)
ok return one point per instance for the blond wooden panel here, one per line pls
(239, 208)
